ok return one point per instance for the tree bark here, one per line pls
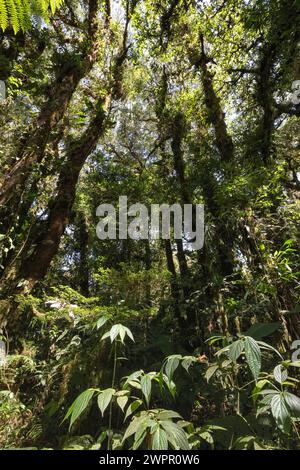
(174, 283)
(35, 268)
(83, 268)
(215, 112)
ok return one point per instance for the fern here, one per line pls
(3, 15)
(54, 4)
(24, 14)
(13, 16)
(18, 13)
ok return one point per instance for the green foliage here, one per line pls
(117, 331)
(19, 13)
(261, 330)
(13, 418)
(157, 428)
(79, 405)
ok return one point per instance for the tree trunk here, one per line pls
(35, 268)
(33, 145)
(174, 284)
(215, 112)
(83, 268)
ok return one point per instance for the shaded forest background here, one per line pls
(178, 101)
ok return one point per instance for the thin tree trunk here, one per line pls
(148, 267)
(83, 268)
(225, 146)
(178, 128)
(174, 284)
(215, 112)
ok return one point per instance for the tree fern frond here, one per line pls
(3, 15)
(40, 7)
(13, 15)
(23, 8)
(18, 13)
(26, 4)
(55, 4)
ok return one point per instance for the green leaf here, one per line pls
(134, 425)
(140, 434)
(132, 408)
(280, 373)
(160, 440)
(132, 377)
(266, 346)
(187, 361)
(116, 330)
(3, 26)
(170, 385)
(146, 385)
(121, 393)
(206, 436)
(104, 399)
(293, 403)
(54, 4)
(236, 349)
(258, 388)
(79, 405)
(280, 412)
(122, 333)
(268, 395)
(176, 435)
(253, 356)
(171, 365)
(211, 371)
(214, 339)
(164, 415)
(261, 330)
(101, 321)
(106, 335)
(294, 364)
(122, 402)
(243, 442)
(18, 13)
(129, 333)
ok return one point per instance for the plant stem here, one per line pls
(110, 405)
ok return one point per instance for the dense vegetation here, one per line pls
(127, 344)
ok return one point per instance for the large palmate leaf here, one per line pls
(118, 331)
